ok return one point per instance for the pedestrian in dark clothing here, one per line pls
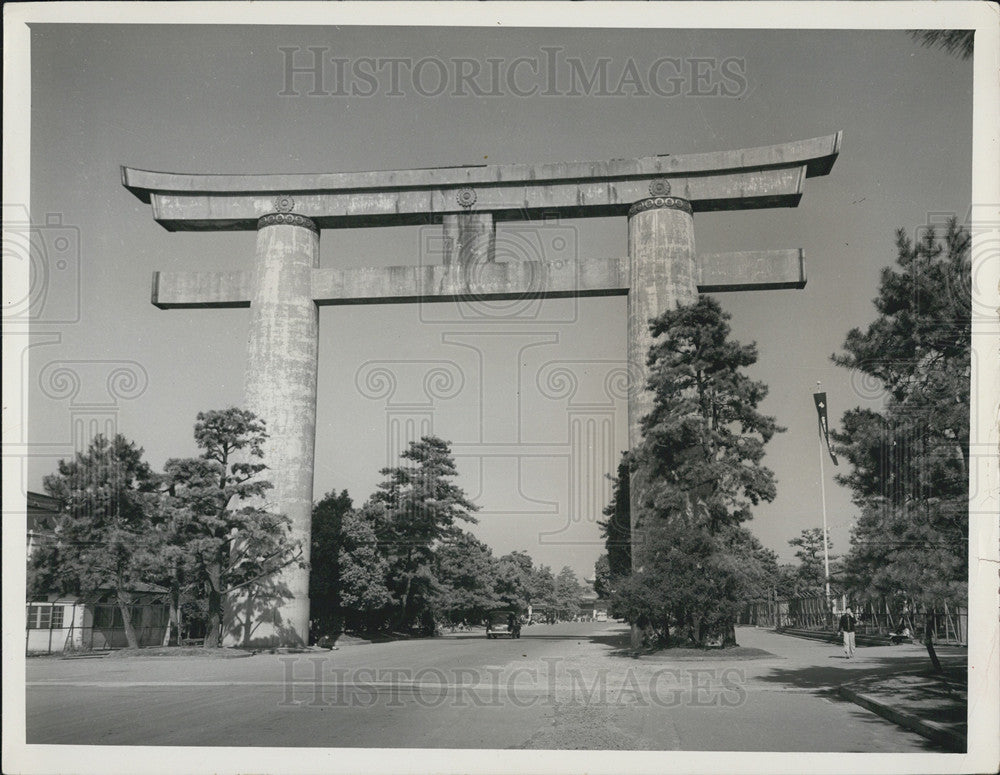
(847, 622)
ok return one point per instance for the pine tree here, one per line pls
(227, 545)
(603, 580)
(909, 462)
(465, 577)
(417, 507)
(105, 537)
(542, 585)
(514, 581)
(617, 529)
(960, 42)
(704, 440)
(567, 591)
(811, 571)
(700, 471)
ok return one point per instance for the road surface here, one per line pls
(558, 687)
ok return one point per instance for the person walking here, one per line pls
(847, 622)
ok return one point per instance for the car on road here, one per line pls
(503, 623)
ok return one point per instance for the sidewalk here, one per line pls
(932, 705)
(894, 682)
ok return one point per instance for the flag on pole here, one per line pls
(824, 428)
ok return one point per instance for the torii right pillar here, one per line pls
(663, 275)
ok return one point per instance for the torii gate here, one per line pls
(658, 195)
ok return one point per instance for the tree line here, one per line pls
(402, 561)
(198, 536)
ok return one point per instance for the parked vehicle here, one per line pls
(503, 623)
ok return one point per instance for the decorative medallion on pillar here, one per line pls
(466, 197)
(283, 215)
(657, 202)
(659, 187)
(285, 204)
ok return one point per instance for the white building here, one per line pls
(57, 623)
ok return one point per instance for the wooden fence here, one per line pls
(875, 617)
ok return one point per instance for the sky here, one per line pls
(209, 99)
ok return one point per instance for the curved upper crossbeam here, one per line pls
(769, 176)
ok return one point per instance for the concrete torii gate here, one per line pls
(658, 195)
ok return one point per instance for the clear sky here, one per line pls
(208, 99)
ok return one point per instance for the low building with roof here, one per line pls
(65, 622)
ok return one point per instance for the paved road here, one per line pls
(559, 686)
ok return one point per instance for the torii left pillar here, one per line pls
(282, 358)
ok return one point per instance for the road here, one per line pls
(558, 687)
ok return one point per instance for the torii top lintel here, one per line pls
(768, 176)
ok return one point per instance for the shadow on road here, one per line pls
(829, 677)
(618, 645)
(942, 702)
(613, 640)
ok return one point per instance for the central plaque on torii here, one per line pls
(284, 286)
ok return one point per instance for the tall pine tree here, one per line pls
(228, 545)
(617, 529)
(700, 470)
(416, 507)
(909, 461)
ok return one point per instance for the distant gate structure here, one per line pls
(285, 286)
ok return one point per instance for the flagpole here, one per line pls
(822, 489)
(826, 553)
